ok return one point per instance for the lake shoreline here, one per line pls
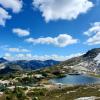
(80, 79)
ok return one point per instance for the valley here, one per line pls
(35, 84)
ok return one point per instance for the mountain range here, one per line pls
(24, 65)
(89, 61)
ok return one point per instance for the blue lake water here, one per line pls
(76, 80)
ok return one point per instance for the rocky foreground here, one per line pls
(66, 93)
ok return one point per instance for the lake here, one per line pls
(76, 80)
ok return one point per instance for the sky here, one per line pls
(48, 29)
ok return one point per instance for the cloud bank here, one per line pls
(62, 9)
(61, 40)
(29, 56)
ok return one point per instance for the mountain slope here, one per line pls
(86, 62)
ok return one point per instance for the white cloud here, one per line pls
(21, 32)
(62, 9)
(18, 50)
(7, 48)
(4, 15)
(8, 56)
(94, 34)
(29, 56)
(15, 5)
(61, 40)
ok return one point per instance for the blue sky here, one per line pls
(52, 29)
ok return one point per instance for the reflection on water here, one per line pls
(76, 80)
